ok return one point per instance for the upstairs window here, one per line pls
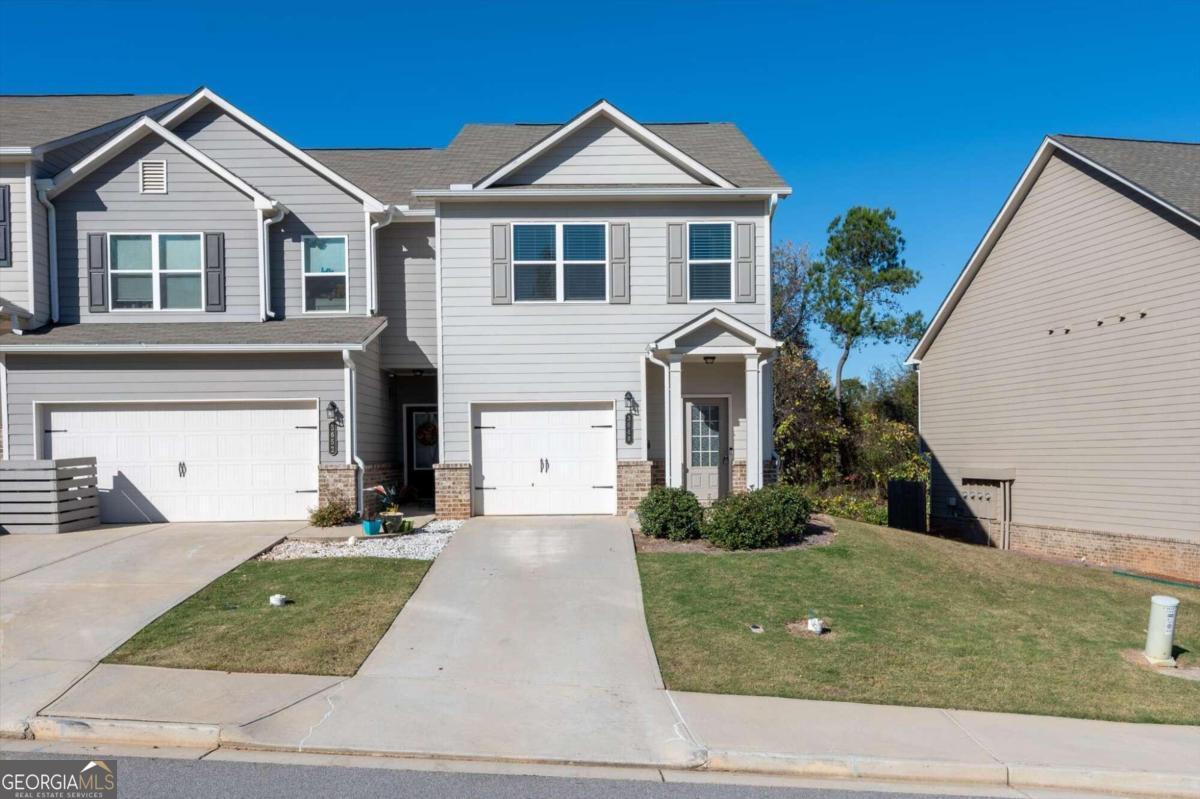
(560, 262)
(324, 283)
(153, 177)
(156, 271)
(710, 262)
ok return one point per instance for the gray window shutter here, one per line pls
(214, 271)
(676, 262)
(618, 263)
(501, 266)
(97, 272)
(744, 257)
(5, 226)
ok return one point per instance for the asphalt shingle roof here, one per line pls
(30, 120)
(1168, 170)
(478, 149)
(350, 330)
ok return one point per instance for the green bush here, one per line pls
(848, 506)
(769, 517)
(672, 513)
(331, 513)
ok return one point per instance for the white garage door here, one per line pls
(544, 459)
(210, 461)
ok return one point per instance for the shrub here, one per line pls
(672, 513)
(848, 506)
(769, 517)
(331, 513)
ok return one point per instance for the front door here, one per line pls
(707, 455)
(420, 448)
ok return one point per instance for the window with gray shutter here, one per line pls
(97, 272)
(676, 263)
(501, 263)
(214, 271)
(744, 275)
(5, 226)
(618, 263)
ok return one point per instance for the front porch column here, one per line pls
(676, 424)
(753, 424)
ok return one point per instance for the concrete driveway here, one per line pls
(526, 640)
(68, 600)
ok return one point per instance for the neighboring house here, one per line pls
(1060, 379)
(536, 319)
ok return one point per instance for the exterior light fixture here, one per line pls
(331, 411)
(630, 410)
(334, 415)
(710, 359)
(418, 372)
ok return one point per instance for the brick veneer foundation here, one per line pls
(376, 474)
(737, 477)
(335, 481)
(1166, 557)
(658, 473)
(633, 484)
(452, 490)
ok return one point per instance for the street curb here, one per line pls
(1084, 779)
(149, 733)
(854, 767)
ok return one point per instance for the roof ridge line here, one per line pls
(1124, 139)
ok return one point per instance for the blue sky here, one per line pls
(930, 108)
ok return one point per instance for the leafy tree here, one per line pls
(857, 284)
(807, 433)
(792, 293)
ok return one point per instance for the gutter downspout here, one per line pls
(373, 245)
(667, 454)
(352, 429)
(264, 247)
(52, 243)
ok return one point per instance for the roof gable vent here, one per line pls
(153, 177)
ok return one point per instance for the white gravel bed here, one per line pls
(425, 544)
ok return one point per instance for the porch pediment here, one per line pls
(715, 332)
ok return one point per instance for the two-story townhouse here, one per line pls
(535, 319)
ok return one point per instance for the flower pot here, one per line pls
(372, 526)
(394, 523)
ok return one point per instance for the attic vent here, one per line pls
(154, 177)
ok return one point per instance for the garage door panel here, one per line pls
(244, 461)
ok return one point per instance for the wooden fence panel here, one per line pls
(48, 496)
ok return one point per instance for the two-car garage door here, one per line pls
(533, 459)
(203, 461)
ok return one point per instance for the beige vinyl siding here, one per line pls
(97, 378)
(564, 351)
(1102, 424)
(376, 418)
(407, 296)
(110, 201)
(14, 280)
(316, 206)
(599, 153)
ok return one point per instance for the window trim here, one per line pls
(142, 175)
(304, 273)
(560, 262)
(688, 261)
(155, 271)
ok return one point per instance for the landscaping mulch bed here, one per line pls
(820, 531)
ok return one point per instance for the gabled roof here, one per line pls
(1166, 173)
(136, 132)
(37, 120)
(715, 316)
(387, 173)
(605, 109)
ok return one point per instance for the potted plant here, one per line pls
(393, 520)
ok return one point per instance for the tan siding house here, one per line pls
(1060, 380)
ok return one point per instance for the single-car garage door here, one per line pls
(544, 459)
(184, 461)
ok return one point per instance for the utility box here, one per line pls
(1160, 635)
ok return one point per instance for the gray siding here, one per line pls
(1102, 424)
(197, 201)
(317, 207)
(96, 378)
(725, 379)
(572, 351)
(14, 280)
(599, 153)
(407, 296)
(376, 416)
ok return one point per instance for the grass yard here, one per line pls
(342, 607)
(916, 620)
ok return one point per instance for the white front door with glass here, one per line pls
(156, 271)
(707, 448)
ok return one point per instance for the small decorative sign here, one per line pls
(629, 428)
(333, 438)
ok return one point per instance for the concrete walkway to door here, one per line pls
(525, 641)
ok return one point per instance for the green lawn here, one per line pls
(342, 607)
(916, 620)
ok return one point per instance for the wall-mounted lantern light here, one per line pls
(334, 415)
(710, 359)
(631, 408)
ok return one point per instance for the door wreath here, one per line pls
(427, 434)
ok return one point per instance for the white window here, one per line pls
(560, 262)
(156, 271)
(325, 287)
(710, 262)
(153, 177)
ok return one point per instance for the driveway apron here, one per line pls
(525, 641)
